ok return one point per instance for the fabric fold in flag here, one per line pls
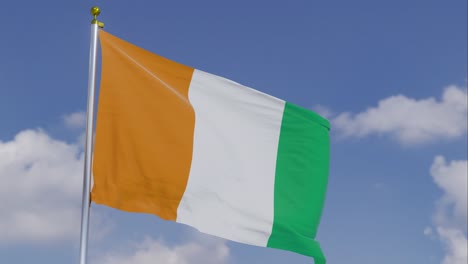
(199, 149)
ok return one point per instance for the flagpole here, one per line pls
(95, 11)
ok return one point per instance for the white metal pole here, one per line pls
(89, 137)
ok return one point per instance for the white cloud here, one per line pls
(456, 245)
(450, 216)
(198, 251)
(40, 183)
(428, 231)
(323, 111)
(75, 120)
(411, 121)
(41, 187)
(453, 180)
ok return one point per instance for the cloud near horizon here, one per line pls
(199, 250)
(450, 215)
(41, 188)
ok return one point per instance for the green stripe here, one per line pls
(301, 182)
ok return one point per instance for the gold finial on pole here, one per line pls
(96, 11)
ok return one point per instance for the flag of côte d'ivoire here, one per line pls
(201, 150)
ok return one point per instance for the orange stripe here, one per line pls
(144, 132)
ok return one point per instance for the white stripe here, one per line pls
(230, 190)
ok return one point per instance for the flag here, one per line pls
(199, 149)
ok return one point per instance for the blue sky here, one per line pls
(391, 77)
